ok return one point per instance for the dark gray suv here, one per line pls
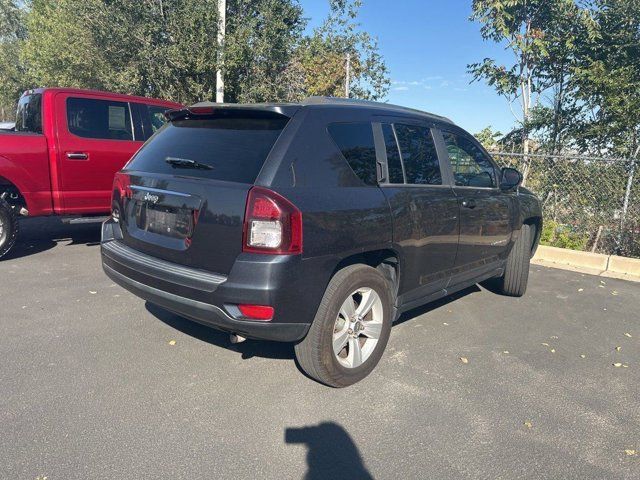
(316, 223)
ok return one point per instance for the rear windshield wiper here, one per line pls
(186, 163)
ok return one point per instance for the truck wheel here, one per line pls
(516, 274)
(350, 330)
(8, 227)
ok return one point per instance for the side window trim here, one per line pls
(443, 157)
(133, 125)
(395, 138)
(382, 166)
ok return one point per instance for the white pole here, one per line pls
(347, 87)
(222, 20)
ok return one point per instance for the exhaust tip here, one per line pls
(235, 338)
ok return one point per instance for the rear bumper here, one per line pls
(199, 296)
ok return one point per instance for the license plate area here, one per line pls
(173, 222)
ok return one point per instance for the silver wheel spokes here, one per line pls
(357, 327)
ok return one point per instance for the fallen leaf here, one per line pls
(630, 452)
(618, 349)
(583, 356)
(464, 360)
(627, 335)
(528, 424)
(617, 364)
(172, 342)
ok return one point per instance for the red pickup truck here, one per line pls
(67, 144)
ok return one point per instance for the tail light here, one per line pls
(272, 224)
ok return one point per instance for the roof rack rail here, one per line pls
(320, 100)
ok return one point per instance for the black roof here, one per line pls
(288, 109)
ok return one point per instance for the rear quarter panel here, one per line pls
(24, 162)
(342, 216)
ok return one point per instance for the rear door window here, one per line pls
(229, 149)
(355, 141)
(101, 119)
(419, 154)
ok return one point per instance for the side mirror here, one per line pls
(510, 178)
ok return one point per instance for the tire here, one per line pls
(315, 354)
(516, 274)
(8, 227)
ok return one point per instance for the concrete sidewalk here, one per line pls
(611, 266)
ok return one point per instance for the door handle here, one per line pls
(77, 156)
(469, 204)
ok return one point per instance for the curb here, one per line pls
(586, 262)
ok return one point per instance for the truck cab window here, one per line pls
(29, 114)
(103, 119)
(156, 117)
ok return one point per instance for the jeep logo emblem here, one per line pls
(148, 197)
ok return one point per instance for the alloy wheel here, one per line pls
(358, 327)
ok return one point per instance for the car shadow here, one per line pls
(43, 233)
(429, 307)
(248, 349)
(267, 349)
(331, 452)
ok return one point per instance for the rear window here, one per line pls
(29, 114)
(355, 141)
(229, 149)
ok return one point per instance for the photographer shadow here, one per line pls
(331, 453)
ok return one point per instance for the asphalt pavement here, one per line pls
(94, 383)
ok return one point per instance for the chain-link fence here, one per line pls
(589, 203)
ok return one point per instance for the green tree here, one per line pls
(489, 138)
(534, 31)
(339, 52)
(12, 73)
(164, 48)
(608, 79)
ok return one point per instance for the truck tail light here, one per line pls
(256, 312)
(272, 224)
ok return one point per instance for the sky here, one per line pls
(427, 45)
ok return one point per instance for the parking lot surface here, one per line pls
(92, 384)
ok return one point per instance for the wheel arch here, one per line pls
(385, 260)
(11, 193)
(536, 223)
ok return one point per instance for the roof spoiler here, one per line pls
(230, 110)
